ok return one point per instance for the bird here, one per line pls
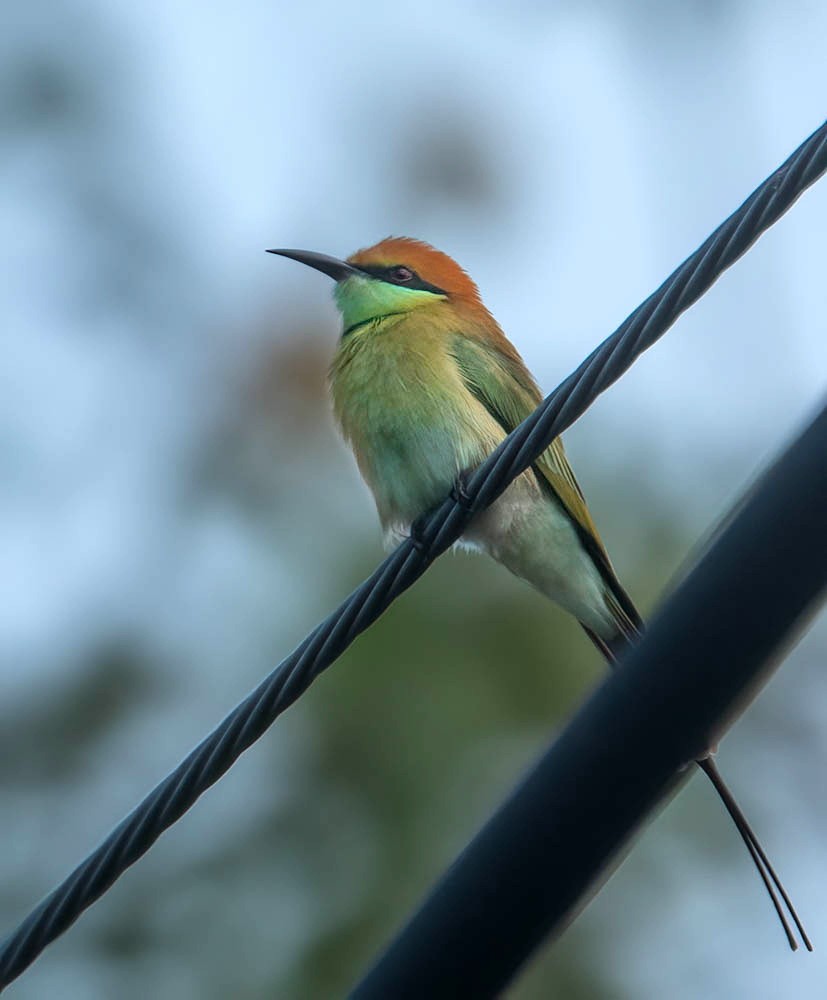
(425, 385)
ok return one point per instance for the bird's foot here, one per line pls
(459, 492)
(417, 533)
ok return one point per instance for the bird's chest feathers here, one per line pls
(402, 405)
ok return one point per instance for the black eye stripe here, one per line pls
(414, 282)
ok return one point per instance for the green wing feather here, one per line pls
(499, 379)
(506, 388)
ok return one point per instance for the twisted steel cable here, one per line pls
(432, 536)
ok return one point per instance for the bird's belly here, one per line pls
(411, 465)
(528, 532)
(410, 454)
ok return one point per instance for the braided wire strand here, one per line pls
(169, 800)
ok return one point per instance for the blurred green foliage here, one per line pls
(299, 865)
(423, 727)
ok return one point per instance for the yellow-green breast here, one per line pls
(414, 426)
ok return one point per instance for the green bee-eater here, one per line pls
(425, 385)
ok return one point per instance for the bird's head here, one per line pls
(393, 277)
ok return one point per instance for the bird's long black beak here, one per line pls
(332, 266)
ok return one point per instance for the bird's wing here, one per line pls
(505, 387)
(500, 380)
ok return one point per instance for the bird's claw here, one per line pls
(459, 493)
(416, 534)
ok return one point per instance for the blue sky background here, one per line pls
(569, 155)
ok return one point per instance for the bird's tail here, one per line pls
(629, 628)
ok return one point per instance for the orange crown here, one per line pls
(432, 265)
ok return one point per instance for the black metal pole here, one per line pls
(704, 654)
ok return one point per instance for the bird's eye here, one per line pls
(401, 274)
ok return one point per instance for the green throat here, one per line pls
(365, 300)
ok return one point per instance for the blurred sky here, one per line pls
(569, 155)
